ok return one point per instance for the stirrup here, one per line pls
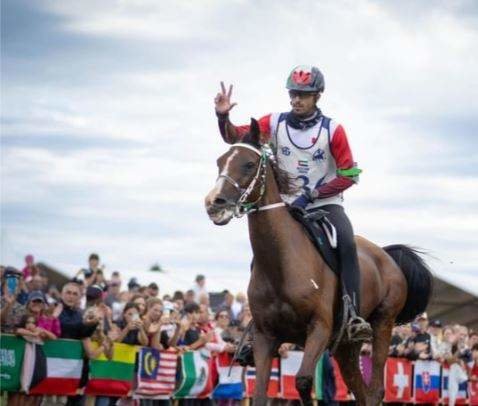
(358, 330)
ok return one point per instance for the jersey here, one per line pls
(311, 156)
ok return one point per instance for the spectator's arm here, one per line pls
(155, 340)
(142, 336)
(9, 301)
(90, 351)
(47, 335)
(26, 333)
(173, 341)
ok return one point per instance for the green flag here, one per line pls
(318, 384)
(12, 350)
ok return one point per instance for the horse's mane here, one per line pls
(285, 182)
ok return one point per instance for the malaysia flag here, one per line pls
(398, 380)
(427, 381)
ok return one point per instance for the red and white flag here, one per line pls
(398, 380)
(289, 367)
(156, 374)
(272, 388)
(342, 393)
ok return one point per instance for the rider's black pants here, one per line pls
(348, 261)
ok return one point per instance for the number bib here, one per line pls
(305, 155)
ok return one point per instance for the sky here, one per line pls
(109, 138)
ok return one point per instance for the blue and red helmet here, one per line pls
(305, 78)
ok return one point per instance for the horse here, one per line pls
(293, 294)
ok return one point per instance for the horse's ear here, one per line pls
(255, 132)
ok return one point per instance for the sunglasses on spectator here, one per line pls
(37, 301)
(223, 316)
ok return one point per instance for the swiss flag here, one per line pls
(398, 380)
(342, 393)
(272, 389)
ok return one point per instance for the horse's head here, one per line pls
(241, 178)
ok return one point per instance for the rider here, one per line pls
(314, 150)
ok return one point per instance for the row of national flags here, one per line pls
(59, 367)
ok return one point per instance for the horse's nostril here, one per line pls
(219, 201)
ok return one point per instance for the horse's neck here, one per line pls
(271, 231)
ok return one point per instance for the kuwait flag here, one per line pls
(427, 381)
(112, 377)
(53, 368)
(196, 378)
(398, 380)
(230, 384)
(288, 368)
(272, 388)
(461, 398)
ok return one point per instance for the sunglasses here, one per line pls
(223, 316)
(37, 301)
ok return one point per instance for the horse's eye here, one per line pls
(250, 165)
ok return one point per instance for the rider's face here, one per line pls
(303, 103)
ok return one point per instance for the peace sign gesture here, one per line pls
(222, 101)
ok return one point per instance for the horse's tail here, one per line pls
(419, 280)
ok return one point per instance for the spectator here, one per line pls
(118, 307)
(457, 374)
(224, 336)
(131, 327)
(474, 364)
(96, 345)
(133, 285)
(71, 319)
(244, 317)
(114, 288)
(30, 268)
(238, 304)
(228, 302)
(12, 311)
(139, 300)
(422, 340)
(199, 287)
(192, 335)
(189, 297)
(35, 325)
(153, 290)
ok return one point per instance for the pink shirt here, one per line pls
(50, 324)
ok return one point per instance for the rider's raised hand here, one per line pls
(222, 101)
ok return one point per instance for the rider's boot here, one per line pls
(358, 329)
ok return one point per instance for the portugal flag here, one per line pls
(398, 380)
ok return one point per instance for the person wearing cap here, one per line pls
(314, 150)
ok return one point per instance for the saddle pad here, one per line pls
(316, 233)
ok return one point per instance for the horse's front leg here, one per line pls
(317, 338)
(263, 353)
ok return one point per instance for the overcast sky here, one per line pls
(109, 137)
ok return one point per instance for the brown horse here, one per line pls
(293, 294)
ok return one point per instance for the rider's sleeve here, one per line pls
(340, 149)
(264, 125)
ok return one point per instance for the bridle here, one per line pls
(243, 206)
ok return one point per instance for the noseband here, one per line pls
(242, 206)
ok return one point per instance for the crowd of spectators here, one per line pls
(454, 345)
(101, 310)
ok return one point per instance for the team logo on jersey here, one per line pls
(303, 166)
(319, 155)
(285, 151)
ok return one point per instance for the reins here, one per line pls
(243, 206)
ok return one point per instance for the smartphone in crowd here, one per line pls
(12, 284)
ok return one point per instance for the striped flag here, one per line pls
(289, 367)
(230, 385)
(156, 373)
(53, 368)
(112, 377)
(427, 381)
(342, 393)
(462, 395)
(272, 388)
(196, 378)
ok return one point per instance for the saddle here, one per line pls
(321, 232)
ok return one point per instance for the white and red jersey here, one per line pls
(312, 156)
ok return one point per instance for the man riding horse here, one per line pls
(313, 149)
